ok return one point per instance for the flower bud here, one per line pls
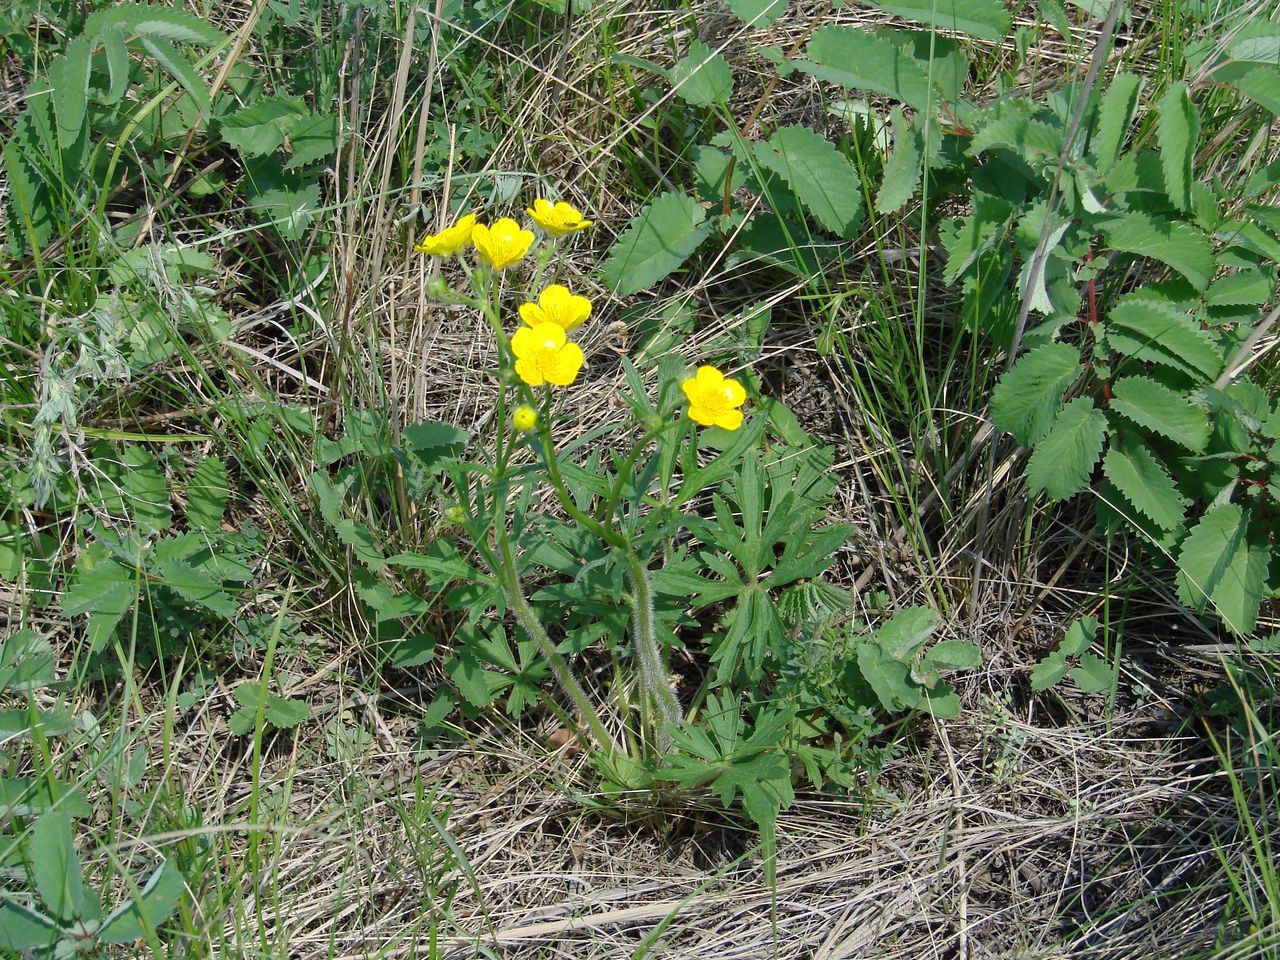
(437, 289)
(455, 514)
(524, 418)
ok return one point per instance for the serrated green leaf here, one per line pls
(279, 712)
(146, 494)
(261, 127)
(1179, 245)
(312, 138)
(1220, 564)
(207, 495)
(1154, 332)
(1243, 288)
(902, 169)
(1144, 482)
(104, 587)
(140, 915)
(71, 90)
(1026, 400)
(758, 13)
(117, 57)
(1178, 132)
(1079, 636)
(859, 60)
(195, 587)
(1115, 113)
(289, 211)
(1015, 130)
(823, 180)
(55, 868)
(360, 539)
(1048, 672)
(163, 23)
(22, 928)
(1064, 460)
(178, 67)
(986, 19)
(1262, 85)
(1167, 412)
(1094, 675)
(657, 241)
(702, 78)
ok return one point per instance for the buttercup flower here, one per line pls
(557, 305)
(557, 218)
(503, 243)
(713, 399)
(450, 240)
(524, 418)
(544, 353)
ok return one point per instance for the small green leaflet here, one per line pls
(1220, 563)
(702, 78)
(1064, 460)
(277, 712)
(1178, 132)
(1262, 85)
(1167, 412)
(1245, 288)
(825, 182)
(902, 169)
(1154, 332)
(1143, 481)
(1177, 244)
(758, 13)
(71, 90)
(657, 241)
(854, 58)
(1094, 675)
(1026, 400)
(312, 138)
(1114, 117)
(260, 128)
(985, 19)
(207, 495)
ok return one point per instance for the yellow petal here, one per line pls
(527, 370)
(564, 369)
(525, 344)
(699, 415)
(729, 420)
(734, 393)
(532, 314)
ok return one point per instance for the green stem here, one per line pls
(644, 638)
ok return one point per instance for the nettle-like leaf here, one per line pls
(1224, 564)
(1144, 482)
(702, 78)
(1154, 332)
(1178, 132)
(657, 241)
(985, 19)
(1064, 460)
(1026, 400)
(1165, 411)
(1114, 116)
(854, 58)
(823, 180)
(1172, 242)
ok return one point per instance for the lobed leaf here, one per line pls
(1064, 460)
(702, 78)
(1026, 400)
(1167, 412)
(658, 240)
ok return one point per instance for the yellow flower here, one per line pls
(557, 218)
(713, 399)
(524, 418)
(544, 353)
(557, 305)
(449, 241)
(503, 243)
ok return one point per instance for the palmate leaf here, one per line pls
(1220, 563)
(986, 19)
(1153, 332)
(1176, 244)
(824, 181)
(1114, 116)
(1167, 412)
(1143, 481)
(1178, 132)
(1064, 460)
(1026, 400)
(860, 60)
(657, 241)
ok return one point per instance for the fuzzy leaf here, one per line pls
(702, 78)
(824, 181)
(1064, 460)
(859, 60)
(197, 588)
(71, 90)
(1143, 481)
(117, 56)
(1155, 332)
(986, 19)
(56, 869)
(207, 495)
(1167, 412)
(1026, 400)
(22, 928)
(658, 240)
(178, 67)
(1178, 132)
(1179, 245)
(156, 22)
(1219, 564)
(902, 169)
(1114, 116)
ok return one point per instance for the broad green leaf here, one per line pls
(31, 796)
(1262, 85)
(1155, 332)
(986, 19)
(1221, 564)
(289, 211)
(1179, 245)
(178, 67)
(1079, 636)
(1167, 412)
(758, 13)
(146, 494)
(1015, 130)
(261, 127)
(140, 915)
(117, 56)
(22, 928)
(888, 677)
(207, 495)
(902, 634)
(195, 587)
(162, 23)
(1064, 460)
(953, 655)
(1114, 116)
(1094, 675)
(1144, 482)
(824, 181)
(97, 588)
(1048, 671)
(702, 78)
(71, 90)
(55, 868)
(1245, 288)
(1026, 400)
(20, 723)
(657, 241)
(277, 711)
(854, 58)
(361, 540)
(1178, 133)
(312, 138)
(902, 169)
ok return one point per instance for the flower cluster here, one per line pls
(543, 352)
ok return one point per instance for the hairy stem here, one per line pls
(653, 674)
